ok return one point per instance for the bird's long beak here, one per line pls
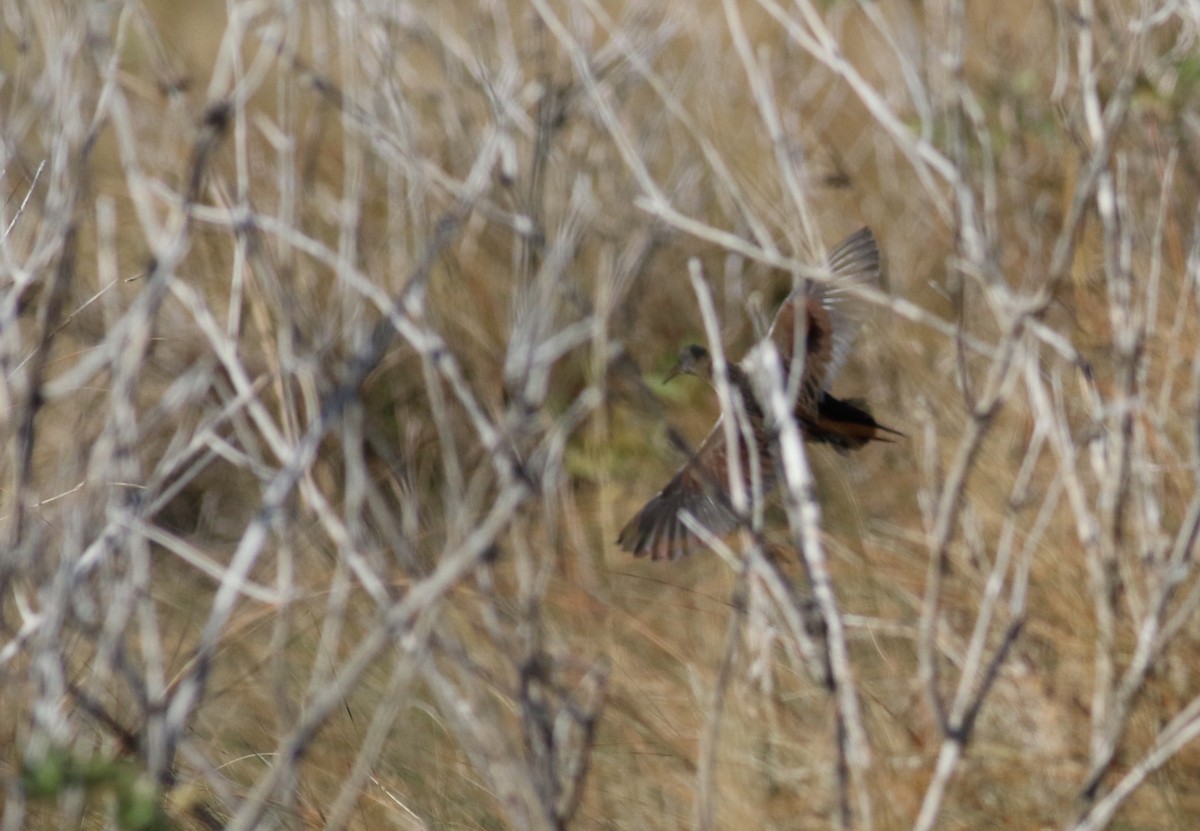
(676, 371)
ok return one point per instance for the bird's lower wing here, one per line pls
(700, 488)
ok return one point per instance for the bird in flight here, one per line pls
(814, 344)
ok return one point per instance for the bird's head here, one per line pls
(693, 360)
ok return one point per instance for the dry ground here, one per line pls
(333, 338)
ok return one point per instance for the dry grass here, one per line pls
(332, 343)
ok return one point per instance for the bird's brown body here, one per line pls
(812, 345)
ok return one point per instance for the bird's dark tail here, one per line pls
(847, 425)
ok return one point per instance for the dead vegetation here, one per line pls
(332, 341)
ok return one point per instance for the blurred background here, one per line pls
(333, 339)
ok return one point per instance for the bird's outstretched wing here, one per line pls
(701, 488)
(853, 263)
(831, 316)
